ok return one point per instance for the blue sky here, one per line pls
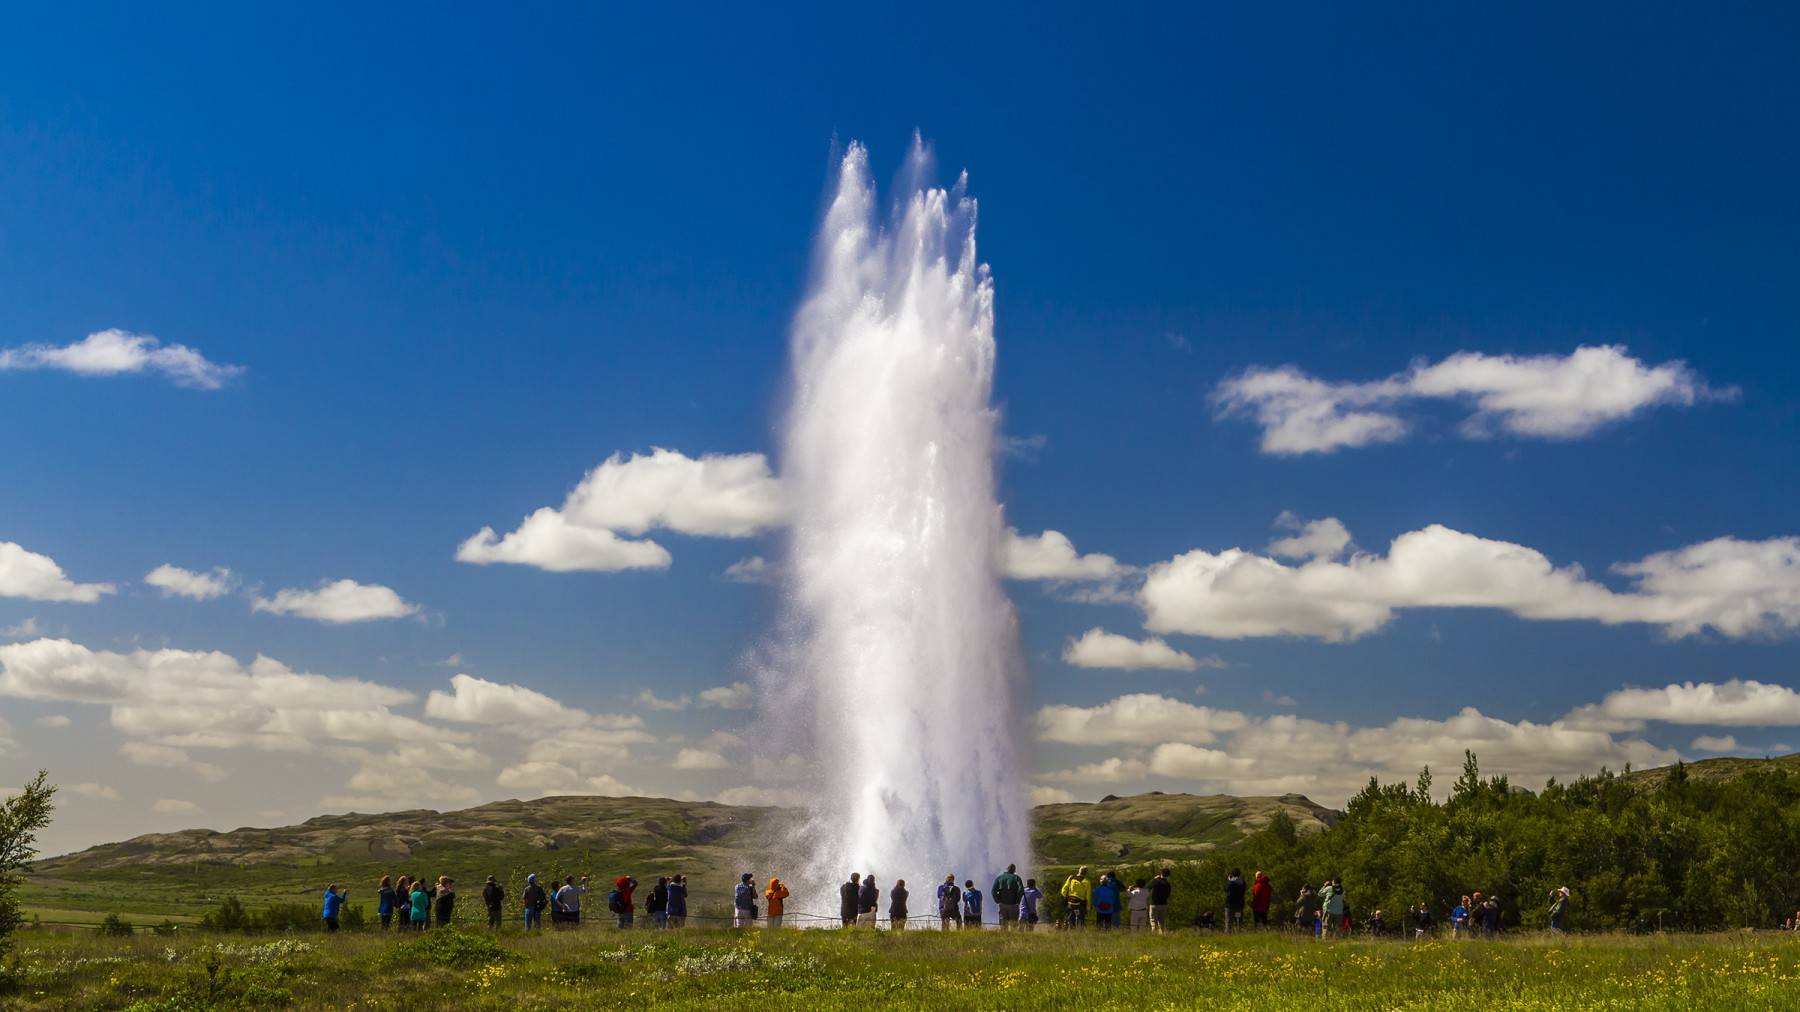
(463, 256)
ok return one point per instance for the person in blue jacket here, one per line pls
(1106, 902)
(971, 905)
(334, 901)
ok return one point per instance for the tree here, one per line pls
(21, 816)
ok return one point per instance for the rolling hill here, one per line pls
(188, 872)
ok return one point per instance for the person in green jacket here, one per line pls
(421, 905)
(1008, 893)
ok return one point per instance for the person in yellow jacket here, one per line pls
(775, 893)
(1077, 892)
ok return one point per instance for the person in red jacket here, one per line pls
(623, 887)
(1261, 892)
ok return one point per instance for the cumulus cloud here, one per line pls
(736, 696)
(1313, 539)
(1041, 795)
(1727, 704)
(1735, 587)
(751, 796)
(198, 699)
(24, 629)
(608, 786)
(651, 700)
(754, 569)
(1136, 719)
(1535, 396)
(715, 495)
(1052, 556)
(539, 776)
(174, 581)
(699, 759)
(1328, 761)
(115, 352)
(173, 806)
(37, 577)
(167, 757)
(97, 792)
(338, 602)
(1715, 743)
(1098, 648)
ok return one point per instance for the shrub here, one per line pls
(114, 926)
(231, 916)
(450, 947)
(21, 816)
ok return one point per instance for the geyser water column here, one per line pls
(904, 645)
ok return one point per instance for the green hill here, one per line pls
(188, 872)
(1712, 770)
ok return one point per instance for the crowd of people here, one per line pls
(411, 904)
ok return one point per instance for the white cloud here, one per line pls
(1052, 556)
(1729, 704)
(699, 759)
(1735, 587)
(1098, 648)
(1714, 743)
(98, 792)
(551, 724)
(736, 696)
(37, 577)
(716, 495)
(112, 352)
(540, 776)
(1315, 539)
(1106, 771)
(167, 757)
(1538, 396)
(753, 569)
(591, 751)
(1137, 719)
(174, 581)
(338, 602)
(1050, 796)
(764, 797)
(611, 787)
(54, 721)
(24, 629)
(172, 806)
(1279, 754)
(651, 700)
(187, 698)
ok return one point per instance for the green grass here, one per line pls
(599, 967)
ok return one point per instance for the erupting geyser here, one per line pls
(903, 645)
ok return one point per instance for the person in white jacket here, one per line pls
(1137, 900)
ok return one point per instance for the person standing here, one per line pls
(1234, 900)
(849, 895)
(493, 896)
(1028, 908)
(1008, 893)
(568, 901)
(868, 902)
(445, 900)
(1077, 892)
(1331, 900)
(1160, 889)
(623, 888)
(421, 905)
(1559, 906)
(949, 902)
(971, 905)
(777, 895)
(334, 901)
(1138, 902)
(678, 901)
(1306, 909)
(743, 903)
(1459, 919)
(897, 906)
(658, 904)
(1262, 893)
(384, 901)
(1105, 897)
(535, 900)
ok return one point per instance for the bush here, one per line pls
(114, 926)
(231, 916)
(450, 947)
(21, 816)
(165, 929)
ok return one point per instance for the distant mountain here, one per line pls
(191, 869)
(1707, 770)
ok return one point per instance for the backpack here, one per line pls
(950, 903)
(615, 902)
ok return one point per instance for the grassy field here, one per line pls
(598, 967)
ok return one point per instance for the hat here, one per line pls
(746, 876)
(491, 878)
(529, 878)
